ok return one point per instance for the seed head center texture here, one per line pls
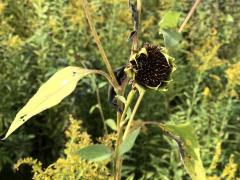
(153, 70)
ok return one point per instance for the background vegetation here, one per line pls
(37, 37)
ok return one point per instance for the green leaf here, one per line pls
(129, 112)
(189, 149)
(112, 124)
(168, 28)
(169, 20)
(128, 143)
(93, 108)
(171, 38)
(96, 152)
(121, 98)
(229, 18)
(60, 85)
(102, 84)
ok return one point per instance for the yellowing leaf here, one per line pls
(60, 85)
(189, 148)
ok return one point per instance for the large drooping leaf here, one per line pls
(128, 143)
(168, 28)
(96, 152)
(171, 38)
(170, 20)
(189, 148)
(60, 85)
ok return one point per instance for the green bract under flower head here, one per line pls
(151, 67)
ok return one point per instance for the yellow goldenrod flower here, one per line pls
(233, 74)
(2, 7)
(216, 156)
(215, 77)
(71, 166)
(14, 41)
(52, 23)
(36, 165)
(206, 92)
(213, 178)
(230, 169)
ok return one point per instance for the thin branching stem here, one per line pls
(135, 41)
(195, 5)
(98, 42)
(225, 116)
(94, 71)
(101, 110)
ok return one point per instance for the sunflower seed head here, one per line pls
(151, 67)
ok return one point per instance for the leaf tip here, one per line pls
(2, 137)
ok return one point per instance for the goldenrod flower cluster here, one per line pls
(71, 166)
(233, 74)
(229, 171)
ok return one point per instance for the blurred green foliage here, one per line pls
(37, 37)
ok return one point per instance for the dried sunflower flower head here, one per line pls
(151, 67)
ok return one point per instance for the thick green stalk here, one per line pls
(127, 105)
(141, 94)
(118, 164)
(118, 160)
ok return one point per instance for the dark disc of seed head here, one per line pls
(152, 70)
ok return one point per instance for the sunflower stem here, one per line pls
(118, 160)
(141, 94)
